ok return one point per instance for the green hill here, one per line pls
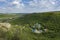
(21, 30)
(38, 17)
(49, 19)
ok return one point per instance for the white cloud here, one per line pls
(42, 3)
(32, 3)
(32, 6)
(53, 2)
(18, 4)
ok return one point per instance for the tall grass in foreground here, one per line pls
(15, 33)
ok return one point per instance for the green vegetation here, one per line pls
(20, 29)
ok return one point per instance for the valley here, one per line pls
(26, 26)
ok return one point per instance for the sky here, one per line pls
(28, 6)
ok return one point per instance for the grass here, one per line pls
(50, 19)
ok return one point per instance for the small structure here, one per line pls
(37, 31)
(37, 28)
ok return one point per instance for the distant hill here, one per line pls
(9, 15)
(37, 17)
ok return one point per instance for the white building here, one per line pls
(37, 31)
(37, 28)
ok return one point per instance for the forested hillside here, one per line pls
(22, 27)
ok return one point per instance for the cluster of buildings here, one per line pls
(38, 28)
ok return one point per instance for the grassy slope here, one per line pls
(50, 19)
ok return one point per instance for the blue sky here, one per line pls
(28, 6)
